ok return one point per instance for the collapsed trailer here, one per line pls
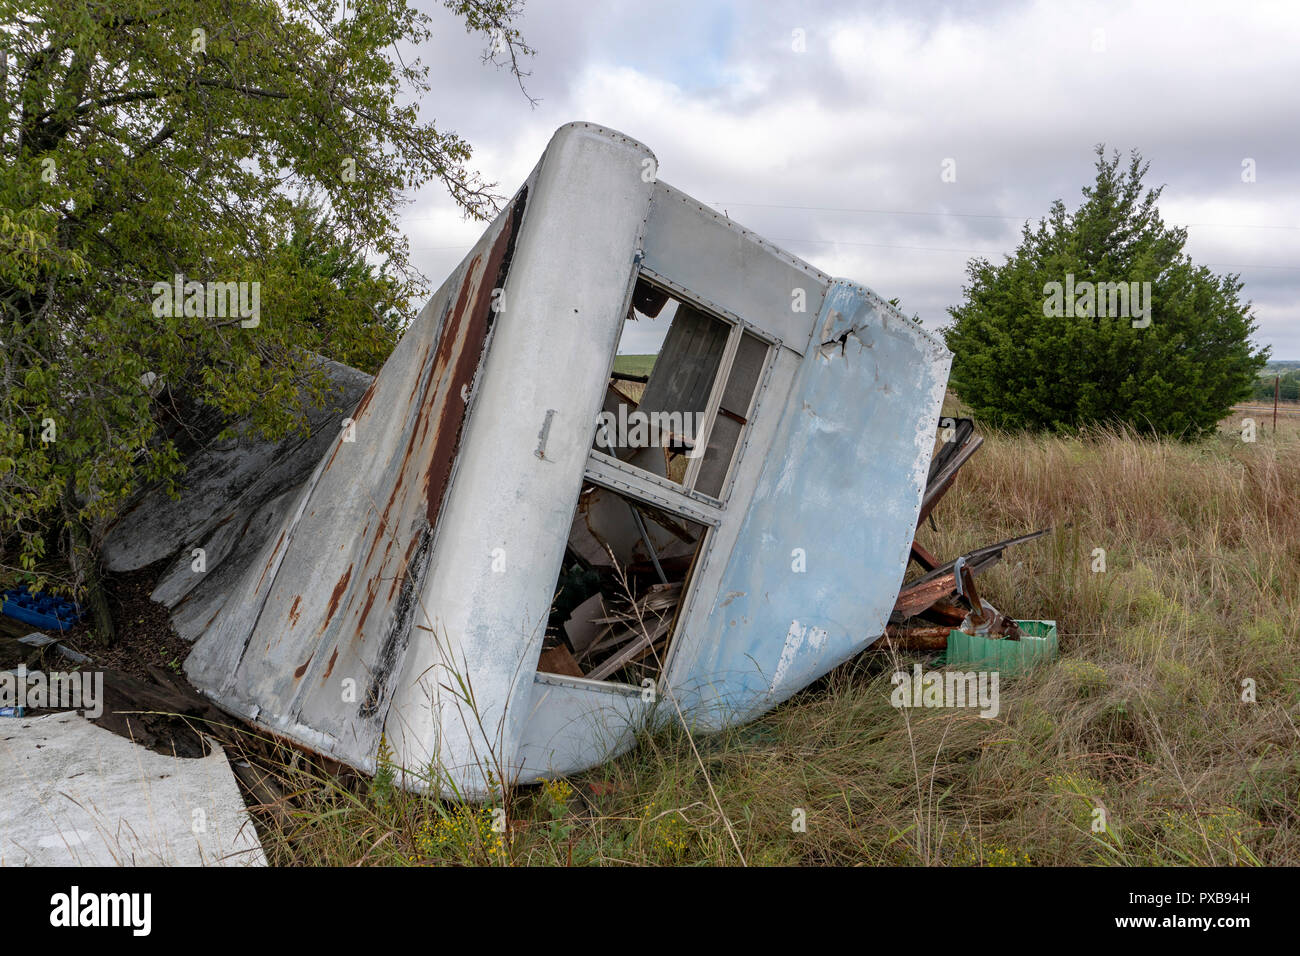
(632, 462)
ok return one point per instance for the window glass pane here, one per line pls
(730, 422)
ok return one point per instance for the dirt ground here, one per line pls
(146, 696)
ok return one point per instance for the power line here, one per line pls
(878, 212)
(913, 212)
(909, 248)
(890, 245)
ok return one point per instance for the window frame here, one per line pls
(640, 484)
(737, 328)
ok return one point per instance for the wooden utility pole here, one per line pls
(1277, 380)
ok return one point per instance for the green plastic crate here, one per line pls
(1008, 657)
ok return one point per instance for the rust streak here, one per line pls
(270, 561)
(365, 611)
(365, 400)
(460, 368)
(337, 594)
(329, 668)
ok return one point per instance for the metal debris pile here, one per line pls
(606, 635)
(945, 596)
(625, 571)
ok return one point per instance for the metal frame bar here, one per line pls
(609, 472)
(695, 463)
(764, 376)
(739, 327)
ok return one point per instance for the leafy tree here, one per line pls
(357, 309)
(1027, 354)
(149, 139)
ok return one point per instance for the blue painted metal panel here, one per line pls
(821, 554)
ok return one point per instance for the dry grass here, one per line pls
(1142, 717)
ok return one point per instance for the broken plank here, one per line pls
(611, 639)
(945, 612)
(919, 595)
(915, 638)
(631, 652)
(923, 557)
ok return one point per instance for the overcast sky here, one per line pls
(836, 152)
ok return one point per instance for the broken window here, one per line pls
(679, 398)
(626, 570)
(681, 391)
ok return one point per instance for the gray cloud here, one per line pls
(836, 151)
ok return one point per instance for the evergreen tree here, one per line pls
(1052, 340)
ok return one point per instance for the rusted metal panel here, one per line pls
(334, 599)
(371, 600)
(235, 496)
(502, 534)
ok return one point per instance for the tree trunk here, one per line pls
(84, 560)
(101, 614)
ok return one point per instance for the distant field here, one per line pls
(634, 364)
(1288, 419)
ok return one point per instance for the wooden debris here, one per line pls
(944, 612)
(653, 613)
(938, 595)
(923, 557)
(558, 660)
(925, 638)
(940, 584)
(921, 594)
(635, 649)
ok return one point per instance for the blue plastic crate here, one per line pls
(41, 610)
